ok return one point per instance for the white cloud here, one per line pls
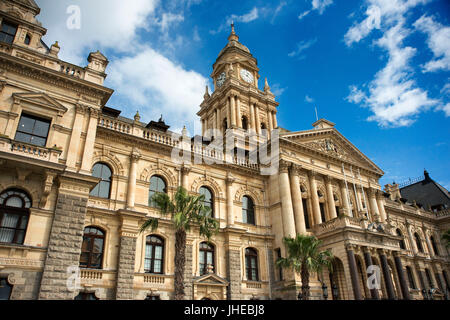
(438, 41)
(309, 99)
(157, 85)
(446, 89)
(112, 26)
(302, 46)
(277, 90)
(316, 5)
(320, 5)
(446, 109)
(393, 96)
(143, 78)
(377, 10)
(245, 18)
(278, 10)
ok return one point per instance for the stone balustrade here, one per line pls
(29, 150)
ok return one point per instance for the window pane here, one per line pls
(20, 235)
(14, 202)
(38, 141)
(86, 244)
(84, 259)
(158, 252)
(23, 223)
(209, 256)
(157, 266)
(26, 124)
(98, 245)
(6, 235)
(23, 137)
(41, 128)
(103, 191)
(95, 191)
(148, 251)
(10, 220)
(5, 289)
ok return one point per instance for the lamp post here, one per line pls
(424, 294)
(325, 291)
(335, 291)
(431, 292)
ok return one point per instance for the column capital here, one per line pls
(366, 250)
(351, 246)
(329, 179)
(295, 169)
(230, 179)
(80, 109)
(383, 252)
(135, 155)
(284, 166)
(312, 173)
(94, 112)
(185, 169)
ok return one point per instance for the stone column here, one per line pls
(314, 197)
(353, 272)
(344, 196)
(74, 144)
(252, 116)
(233, 111)
(238, 112)
(228, 112)
(374, 205)
(257, 121)
(66, 236)
(230, 216)
(330, 197)
(131, 194)
(411, 239)
(286, 200)
(86, 164)
(387, 275)
(297, 202)
(270, 120)
(380, 203)
(218, 120)
(274, 117)
(428, 241)
(184, 176)
(368, 259)
(401, 276)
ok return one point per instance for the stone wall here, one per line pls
(234, 274)
(125, 270)
(64, 246)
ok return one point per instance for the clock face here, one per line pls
(247, 76)
(221, 79)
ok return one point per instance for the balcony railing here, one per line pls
(29, 150)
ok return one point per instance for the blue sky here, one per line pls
(379, 69)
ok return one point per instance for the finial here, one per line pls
(184, 131)
(161, 119)
(206, 95)
(266, 86)
(137, 117)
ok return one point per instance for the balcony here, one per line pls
(30, 151)
(97, 277)
(151, 281)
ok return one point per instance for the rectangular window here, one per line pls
(33, 130)
(8, 32)
(280, 270)
(322, 212)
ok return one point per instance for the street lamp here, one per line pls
(431, 292)
(424, 294)
(325, 291)
(335, 291)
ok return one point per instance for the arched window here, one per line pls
(92, 248)
(86, 296)
(244, 123)
(263, 126)
(157, 185)
(5, 289)
(225, 124)
(409, 273)
(434, 245)
(208, 201)
(154, 254)
(402, 242)
(103, 188)
(27, 39)
(251, 264)
(418, 242)
(206, 257)
(429, 278)
(14, 214)
(248, 210)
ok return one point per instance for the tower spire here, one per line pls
(233, 36)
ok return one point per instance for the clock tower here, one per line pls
(237, 102)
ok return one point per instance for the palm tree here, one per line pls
(446, 238)
(305, 257)
(186, 211)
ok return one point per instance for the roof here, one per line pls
(427, 192)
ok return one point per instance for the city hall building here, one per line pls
(76, 180)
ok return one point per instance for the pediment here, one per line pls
(211, 279)
(40, 99)
(331, 143)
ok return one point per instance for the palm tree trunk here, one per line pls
(180, 263)
(305, 282)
